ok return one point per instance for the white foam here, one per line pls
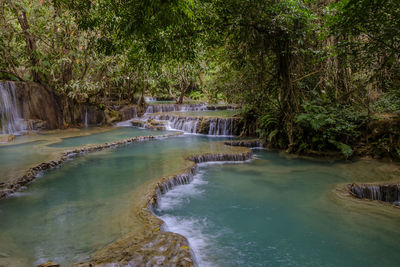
(203, 164)
(192, 229)
(181, 194)
(126, 123)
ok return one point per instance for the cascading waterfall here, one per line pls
(221, 126)
(175, 107)
(397, 202)
(186, 177)
(134, 111)
(10, 119)
(86, 118)
(129, 115)
(213, 126)
(186, 124)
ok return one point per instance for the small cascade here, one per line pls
(221, 126)
(150, 99)
(184, 178)
(135, 113)
(221, 157)
(11, 121)
(200, 125)
(175, 107)
(186, 124)
(397, 202)
(388, 193)
(86, 118)
(178, 179)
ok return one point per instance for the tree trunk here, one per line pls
(30, 42)
(289, 97)
(182, 94)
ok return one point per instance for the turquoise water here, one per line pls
(278, 212)
(272, 211)
(109, 136)
(15, 159)
(15, 156)
(86, 203)
(10, 154)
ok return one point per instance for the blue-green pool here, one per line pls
(276, 211)
(88, 202)
(272, 211)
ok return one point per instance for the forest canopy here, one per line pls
(308, 75)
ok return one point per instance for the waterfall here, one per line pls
(221, 126)
(10, 119)
(86, 118)
(175, 107)
(186, 124)
(134, 111)
(221, 157)
(209, 126)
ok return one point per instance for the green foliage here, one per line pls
(325, 127)
(390, 102)
(197, 95)
(270, 126)
(305, 72)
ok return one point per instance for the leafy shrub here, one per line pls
(335, 127)
(197, 95)
(390, 102)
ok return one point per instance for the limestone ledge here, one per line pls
(154, 247)
(6, 189)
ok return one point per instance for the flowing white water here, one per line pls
(86, 118)
(221, 126)
(175, 107)
(10, 119)
(217, 126)
(127, 123)
(150, 99)
(186, 124)
(191, 228)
